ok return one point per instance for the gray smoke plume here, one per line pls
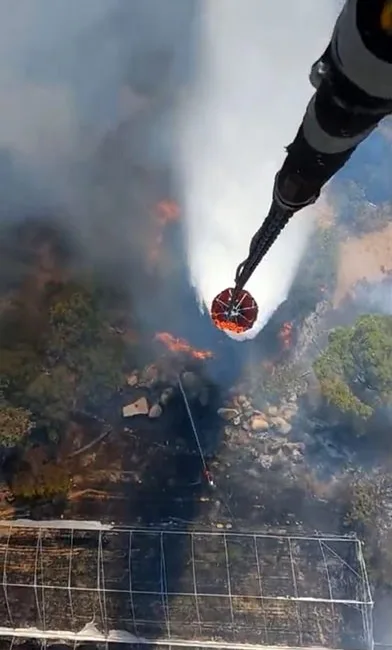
(87, 91)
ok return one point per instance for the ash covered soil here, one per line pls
(148, 469)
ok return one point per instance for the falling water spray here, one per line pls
(249, 94)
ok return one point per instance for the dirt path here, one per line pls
(369, 256)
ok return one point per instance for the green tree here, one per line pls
(15, 425)
(102, 374)
(364, 502)
(81, 340)
(355, 371)
(75, 322)
(364, 506)
(18, 367)
(78, 360)
(51, 397)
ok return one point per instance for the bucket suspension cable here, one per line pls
(191, 420)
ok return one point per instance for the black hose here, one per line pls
(261, 242)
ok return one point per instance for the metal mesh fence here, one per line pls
(182, 588)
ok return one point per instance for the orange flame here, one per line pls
(167, 211)
(285, 335)
(229, 326)
(180, 345)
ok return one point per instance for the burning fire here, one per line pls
(165, 212)
(229, 326)
(285, 335)
(180, 345)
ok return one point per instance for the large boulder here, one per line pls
(289, 411)
(228, 414)
(155, 411)
(149, 376)
(259, 422)
(272, 410)
(139, 407)
(281, 425)
(133, 379)
(166, 395)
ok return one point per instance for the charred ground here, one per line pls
(76, 348)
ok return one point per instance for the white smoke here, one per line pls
(246, 104)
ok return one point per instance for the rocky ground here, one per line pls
(271, 430)
(250, 443)
(268, 430)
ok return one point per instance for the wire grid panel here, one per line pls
(172, 587)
